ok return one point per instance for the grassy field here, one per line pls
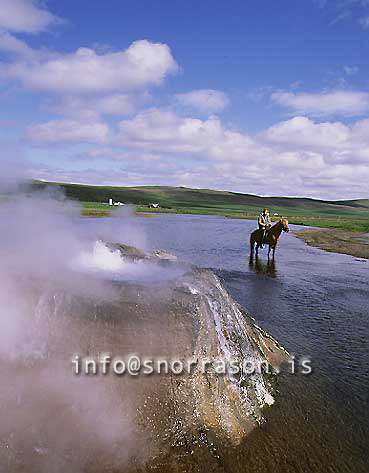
(336, 240)
(349, 214)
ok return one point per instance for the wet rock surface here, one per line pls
(157, 422)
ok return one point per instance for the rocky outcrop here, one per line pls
(190, 317)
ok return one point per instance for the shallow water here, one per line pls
(316, 304)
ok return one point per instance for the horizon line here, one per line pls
(205, 188)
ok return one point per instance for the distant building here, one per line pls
(111, 202)
(154, 206)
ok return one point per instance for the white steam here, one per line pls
(100, 259)
(104, 262)
(49, 418)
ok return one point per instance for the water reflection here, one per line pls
(265, 267)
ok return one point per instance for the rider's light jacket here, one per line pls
(264, 220)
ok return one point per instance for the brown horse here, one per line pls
(271, 238)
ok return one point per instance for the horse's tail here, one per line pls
(252, 241)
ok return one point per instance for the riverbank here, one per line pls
(336, 240)
(96, 209)
(305, 220)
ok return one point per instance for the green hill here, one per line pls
(353, 214)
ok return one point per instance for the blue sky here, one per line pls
(262, 97)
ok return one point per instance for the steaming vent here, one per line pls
(64, 293)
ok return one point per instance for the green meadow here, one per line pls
(345, 214)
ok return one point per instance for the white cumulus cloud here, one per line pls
(301, 131)
(336, 102)
(295, 157)
(299, 156)
(68, 131)
(92, 107)
(27, 16)
(142, 64)
(164, 131)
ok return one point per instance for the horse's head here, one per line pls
(284, 223)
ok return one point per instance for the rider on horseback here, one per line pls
(264, 225)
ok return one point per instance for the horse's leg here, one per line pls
(268, 251)
(274, 250)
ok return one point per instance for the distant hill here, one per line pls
(206, 201)
(363, 203)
